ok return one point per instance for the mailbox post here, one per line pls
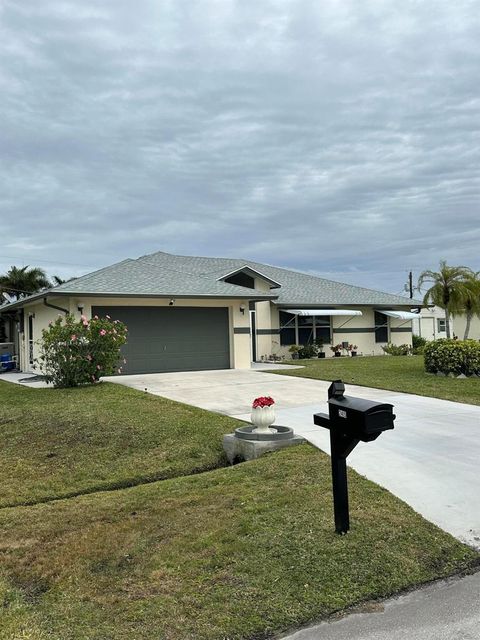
(350, 420)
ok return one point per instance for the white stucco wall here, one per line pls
(239, 342)
(356, 330)
(459, 324)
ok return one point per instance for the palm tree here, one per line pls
(448, 290)
(471, 300)
(23, 281)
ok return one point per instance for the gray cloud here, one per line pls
(336, 137)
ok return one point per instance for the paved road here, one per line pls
(430, 460)
(449, 610)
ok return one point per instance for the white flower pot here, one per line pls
(262, 418)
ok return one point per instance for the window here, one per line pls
(287, 329)
(303, 329)
(381, 327)
(30, 339)
(442, 325)
(322, 329)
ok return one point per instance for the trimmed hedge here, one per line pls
(453, 356)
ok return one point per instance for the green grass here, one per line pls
(237, 553)
(399, 373)
(56, 443)
(233, 553)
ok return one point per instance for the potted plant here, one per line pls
(337, 350)
(263, 414)
(320, 343)
(353, 349)
(294, 349)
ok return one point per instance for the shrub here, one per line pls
(75, 352)
(397, 349)
(418, 344)
(308, 351)
(453, 356)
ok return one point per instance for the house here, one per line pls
(191, 313)
(431, 324)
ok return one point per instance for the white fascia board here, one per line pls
(323, 312)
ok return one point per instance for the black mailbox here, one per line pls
(362, 419)
(350, 420)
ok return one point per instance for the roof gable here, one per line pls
(253, 273)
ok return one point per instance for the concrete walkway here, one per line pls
(430, 460)
(447, 610)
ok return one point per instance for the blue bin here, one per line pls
(6, 362)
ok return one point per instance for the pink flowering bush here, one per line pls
(75, 352)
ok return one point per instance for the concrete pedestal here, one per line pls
(240, 449)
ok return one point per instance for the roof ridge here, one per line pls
(343, 284)
(204, 277)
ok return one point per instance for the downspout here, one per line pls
(54, 306)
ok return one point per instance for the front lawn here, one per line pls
(397, 373)
(237, 553)
(63, 442)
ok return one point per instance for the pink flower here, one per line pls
(89, 357)
(108, 317)
(103, 332)
(83, 318)
(98, 367)
(73, 338)
(95, 317)
(85, 323)
(119, 370)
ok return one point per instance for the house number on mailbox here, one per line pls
(342, 414)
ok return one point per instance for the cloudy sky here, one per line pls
(338, 137)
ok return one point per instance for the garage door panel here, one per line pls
(173, 338)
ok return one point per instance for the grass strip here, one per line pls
(396, 373)
(56, 443)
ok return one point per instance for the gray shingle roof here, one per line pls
(164, 274)
(296, 288)
(150, 277)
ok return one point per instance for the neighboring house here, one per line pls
(431, 324)
(190, 313)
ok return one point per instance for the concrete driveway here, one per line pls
(430, 460)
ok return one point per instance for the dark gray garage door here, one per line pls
(172, 338)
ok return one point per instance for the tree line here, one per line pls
(20, 282)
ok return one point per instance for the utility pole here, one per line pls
(410, 284)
